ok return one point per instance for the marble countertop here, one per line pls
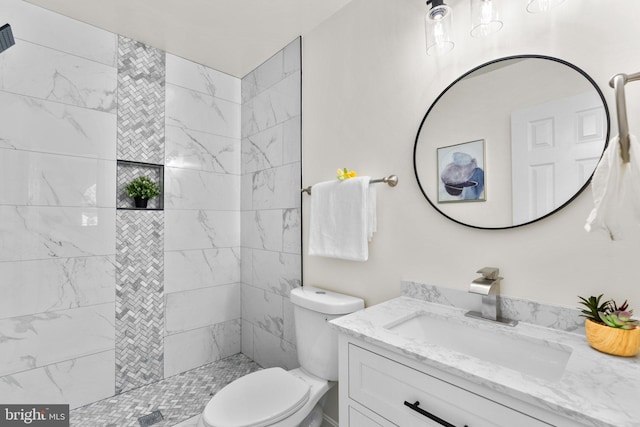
(595, 389)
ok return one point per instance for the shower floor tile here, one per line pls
(179, 398)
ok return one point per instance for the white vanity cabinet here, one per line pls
(379, 388)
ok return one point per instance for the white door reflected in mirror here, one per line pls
(555, 148)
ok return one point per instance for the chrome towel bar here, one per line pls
(617, 82)
(391, 181)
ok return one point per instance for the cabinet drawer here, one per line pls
(358, 419)
(383, 386)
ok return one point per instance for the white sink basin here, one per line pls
(528, 355)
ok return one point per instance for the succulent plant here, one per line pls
(608, 312)
(594, 307)
(623, 307)
(619, 319)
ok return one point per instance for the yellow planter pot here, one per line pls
(619, 342)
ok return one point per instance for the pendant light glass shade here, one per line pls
(485, 17)
(438, 29)
(540, 6)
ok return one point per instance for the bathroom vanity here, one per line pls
(409, 362)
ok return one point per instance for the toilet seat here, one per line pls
(259, 399)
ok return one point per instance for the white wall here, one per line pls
(367, 84)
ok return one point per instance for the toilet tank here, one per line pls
(316, 340)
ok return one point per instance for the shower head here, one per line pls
(6, 37)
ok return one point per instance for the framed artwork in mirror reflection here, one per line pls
(461, 172)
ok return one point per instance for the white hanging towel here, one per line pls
(616, 191)
(343, 218)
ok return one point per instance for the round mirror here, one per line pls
(511, 141)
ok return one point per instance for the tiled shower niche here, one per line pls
(128, 171)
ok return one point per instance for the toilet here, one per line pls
(278, 398)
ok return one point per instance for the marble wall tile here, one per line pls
(272, 71)
(291, 231)
(263, 309)
(277, 188)
(188, 350)
(76, 382)
(44, 73)
(203, 197)
(288, 329)
(194, 76)
(246, 190)
(292, 53)
(58, 141)
(291, 143)
(37, 286)
(270, 351)
(246, 269)
(201, 229)
(247, 339)
(56, 31)
(248, 87)
(263, 150)
(61, 129)
(202, 307)
(195, 110)
(271, 206)
(190, 189)
(54, 180)
(37, 340)
(33, 232)
(187, 270)
(247, 228)
(276, 105)
(263, 77)
(276, 272)
(191, 149)
(262, 229)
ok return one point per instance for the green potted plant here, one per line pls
(609, 327)
(142, 189)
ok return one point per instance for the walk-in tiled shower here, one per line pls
(103, 300)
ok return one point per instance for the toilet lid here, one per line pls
(259, 399)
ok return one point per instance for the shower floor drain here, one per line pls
(150, 419)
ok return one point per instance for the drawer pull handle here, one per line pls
(429, 415)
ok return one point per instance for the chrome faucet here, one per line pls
(489, 287)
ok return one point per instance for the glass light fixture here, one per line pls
(538, 6)
(438, 28)
(485, 17)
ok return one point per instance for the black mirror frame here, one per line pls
(525, 56)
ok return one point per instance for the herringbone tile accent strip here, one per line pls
(139, 298)
(139, 234)
(141, 95)
(178, 398)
